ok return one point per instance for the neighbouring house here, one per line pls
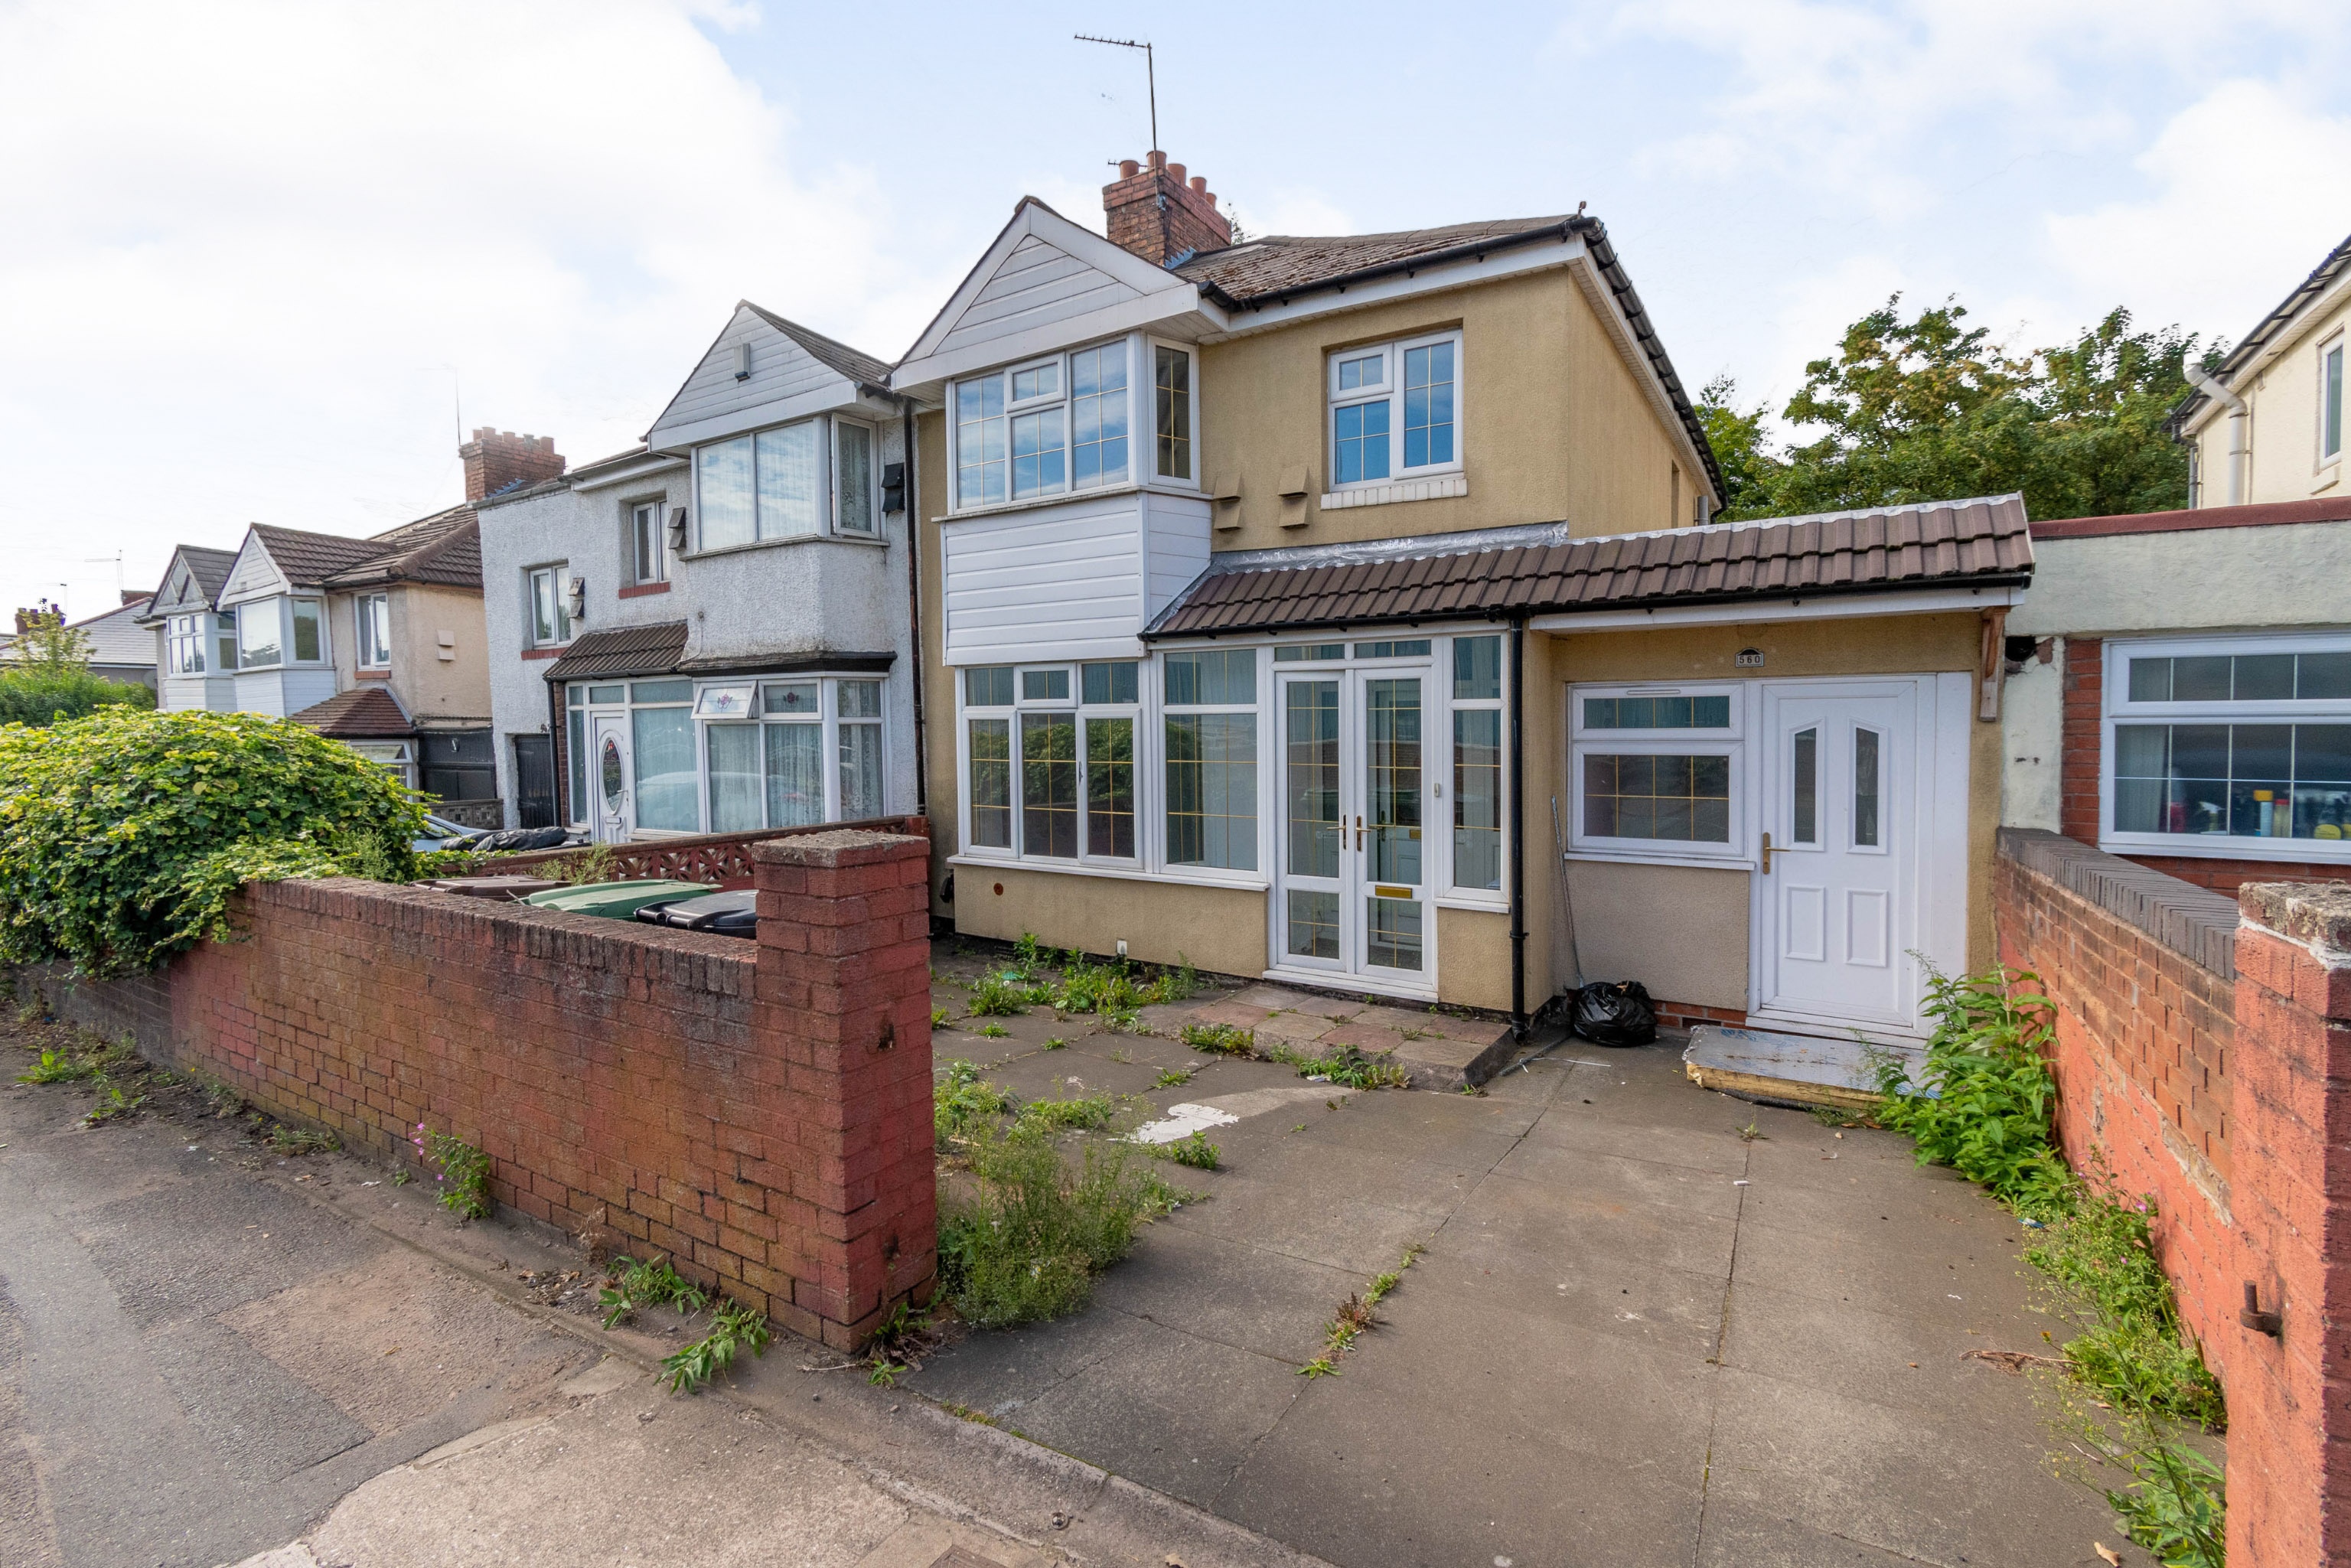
(1347, 611)
(713, 632)
(2180, 690)
(120, 647)
(377, 642)
(2267, 425)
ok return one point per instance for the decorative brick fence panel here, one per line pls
(722, 860)
(758, 1112)
(2204, 1051)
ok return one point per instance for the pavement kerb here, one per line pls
(1100, 1518)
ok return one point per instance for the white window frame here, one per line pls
(1142, 445)
(2333, 348)
(372, 630)
(1263, 707)
(760, 537)
(870, 526)
(657, 540)
(1152, 349)
(557, 575)
(184, 641)
(276, 607)
(1730, 743)
(828, 721)
(1446, 894)
(2120, 710)
(1392, 354)
(1081, 711)
(326, 653)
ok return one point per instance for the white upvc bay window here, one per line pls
(1049, 761)
(1064, 424)
(793, 481)
(2238, 747)
(285, 631)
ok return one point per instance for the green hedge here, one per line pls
(46, 695)
(123, 833)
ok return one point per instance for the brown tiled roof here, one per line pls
(1261, 268)
(1545, 569)
(308, 559)
(363, 713)
(655, 650)
(446, 548)
(829, 351)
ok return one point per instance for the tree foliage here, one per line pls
(123, 833)
(50, 678)
(1928, 408)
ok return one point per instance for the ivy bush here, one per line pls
(123, 833)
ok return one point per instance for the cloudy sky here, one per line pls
(263, 262)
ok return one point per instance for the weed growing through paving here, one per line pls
(1175, 1077)
(1346, 1065)
(993, 1032)
(58, 1067)
(1355, 1314)
(963, 1100)
(1022, 1237)
(291, 1141)
(112, 1101)
(462, 1172)
(1194, 1150)
(995, 997)
(1079, 1113)
(1220, 1038)
(2137, 1381)
(629, 1285)
(897, 1347)
(733, 1330)
(942, 1019)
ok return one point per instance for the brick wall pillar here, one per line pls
(2290, 1396)
(2082, 739)
(844, 988)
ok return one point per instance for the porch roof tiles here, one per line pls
(363, 713)
(1546, 569)
(651, 650)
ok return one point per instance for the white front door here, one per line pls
(609, 778)
(1852, 831)
(1351, 892)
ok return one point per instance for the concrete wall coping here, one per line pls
(839, 847)
(2198, 924)
(2316, 913)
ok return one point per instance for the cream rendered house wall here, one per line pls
(430, 686)
(2282, 437)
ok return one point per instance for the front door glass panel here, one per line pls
(1391, 802)
(1313, 827)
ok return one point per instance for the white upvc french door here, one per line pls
(1351, 892)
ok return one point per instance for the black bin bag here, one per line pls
(1610, 1012)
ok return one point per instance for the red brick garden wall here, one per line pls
(2204, 1051)
(758, 1112)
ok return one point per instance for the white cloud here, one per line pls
(253, 245)
(2250, 190)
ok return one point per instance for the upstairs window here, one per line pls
(548, 606)
(1394, 410)
(372, 614)
(852, 468)
(648, 544)
(2330, 402)
(1171, 395)
(260, 637)
(769, 485)
(1060, 425)
(185, 641)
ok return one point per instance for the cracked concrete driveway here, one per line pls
(1637, 1336)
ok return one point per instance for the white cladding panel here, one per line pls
(780, 369)
(1037, 285)
(1065, 582)
(1177, 550)
(254, 573)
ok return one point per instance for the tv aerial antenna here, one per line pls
(1150, 72)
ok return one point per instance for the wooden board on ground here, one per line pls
(1796, 1069)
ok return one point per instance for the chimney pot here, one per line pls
(1200, 183)
(1176, 172)
(497, 459)
(1128, 168)
(1157, 159)
(1160, 212)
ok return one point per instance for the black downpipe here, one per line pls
(915, 612)
(1519, 1021)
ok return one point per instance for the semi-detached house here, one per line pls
(713, 632)
(1292, 605)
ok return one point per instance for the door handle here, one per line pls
(1359, 830)
(1768, 852)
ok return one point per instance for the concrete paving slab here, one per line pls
(1912, 1363)
(1614, 1179)
(1354, 1234)
(1261, 1300)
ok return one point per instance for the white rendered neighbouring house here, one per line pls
(713, 632)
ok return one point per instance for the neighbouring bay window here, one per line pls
(1655, 771)
(1049, 759)
(372, 616)
(1210, 727)
(268, 629)
(185, 637)
(1394, 410)
(547, 605)
(1063, 424)
(1478, 764)
(2229, 746)
(225, 638)
(795, 481)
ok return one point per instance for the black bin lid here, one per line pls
(734, 913)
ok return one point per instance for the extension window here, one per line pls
(1657, 773)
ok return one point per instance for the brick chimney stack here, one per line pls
(1159, 216)
(497, 459)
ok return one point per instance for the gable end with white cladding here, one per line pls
(1076, 581)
